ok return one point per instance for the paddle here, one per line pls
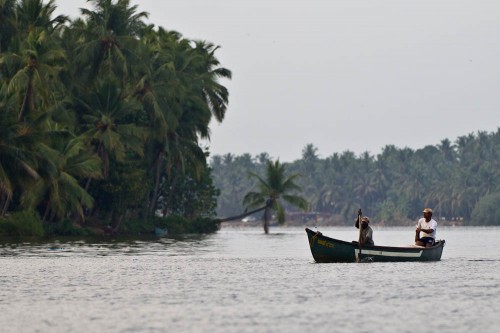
(358, 259)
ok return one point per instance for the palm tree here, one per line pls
(17, 154)
(209, 72)
(110, 38)
(181, 156)
(35, 14)
(107, 123)
(179, 91)
(58, 188)
(34, 58)
(35, 69)
(271, 189)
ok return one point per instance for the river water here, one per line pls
(240, 280)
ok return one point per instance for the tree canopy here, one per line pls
(101, 117)
(460, 180)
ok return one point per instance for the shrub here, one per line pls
(138, 226)
(65, 228)
(204, 225)
(22, 223)
(175, 225)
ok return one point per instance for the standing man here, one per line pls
(425, 234)
(366, 237)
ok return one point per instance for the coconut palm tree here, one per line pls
(272, 189)
(34, 57)
(58, 189)
(208, 69)
(35, 14)
(17, 153)
(110, 38)
(180, 93)
(35, 68)
(107, 123)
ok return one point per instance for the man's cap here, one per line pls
(365, 219)
(427, 210)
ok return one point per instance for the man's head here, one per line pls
(364, 222)
(427, 213)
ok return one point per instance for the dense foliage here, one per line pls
(460, 180)
(101, 117)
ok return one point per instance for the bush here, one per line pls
(65, 228)
(138, 227)
(205, 225)
(21, 224)
(175, 225)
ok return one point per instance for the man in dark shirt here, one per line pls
(366, 237)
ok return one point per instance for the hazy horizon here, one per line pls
(343, 75)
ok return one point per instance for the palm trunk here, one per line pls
(27, 101)
(152, 203)
(116, 221)
(88, 184)
(237, 217)
(266, 222)
(170, 199)
(5, 206)
(101, 151)
(47, 210)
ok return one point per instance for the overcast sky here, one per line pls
(344, 74)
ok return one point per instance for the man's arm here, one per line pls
(427, 231)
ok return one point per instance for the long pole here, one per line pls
(358, 259)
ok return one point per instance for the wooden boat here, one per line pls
(325, 249)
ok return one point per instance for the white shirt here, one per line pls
(423, 224)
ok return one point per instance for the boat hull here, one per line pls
(325, 250)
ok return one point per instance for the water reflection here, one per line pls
(106, 247)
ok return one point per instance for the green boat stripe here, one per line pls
(389, 254)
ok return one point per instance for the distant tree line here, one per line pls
(459, 180)
(101, 117)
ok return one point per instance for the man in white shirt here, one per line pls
(425, 234)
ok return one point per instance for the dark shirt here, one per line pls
(366, 235)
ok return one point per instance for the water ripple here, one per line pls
(244, 281)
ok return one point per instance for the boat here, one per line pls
(326, 249)
(159, 232)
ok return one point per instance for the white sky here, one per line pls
(344, 74)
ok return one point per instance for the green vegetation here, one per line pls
(100, 121)
(21, 224)
(487, 210)
(175, 224)
(273, 188)
(460, 181)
